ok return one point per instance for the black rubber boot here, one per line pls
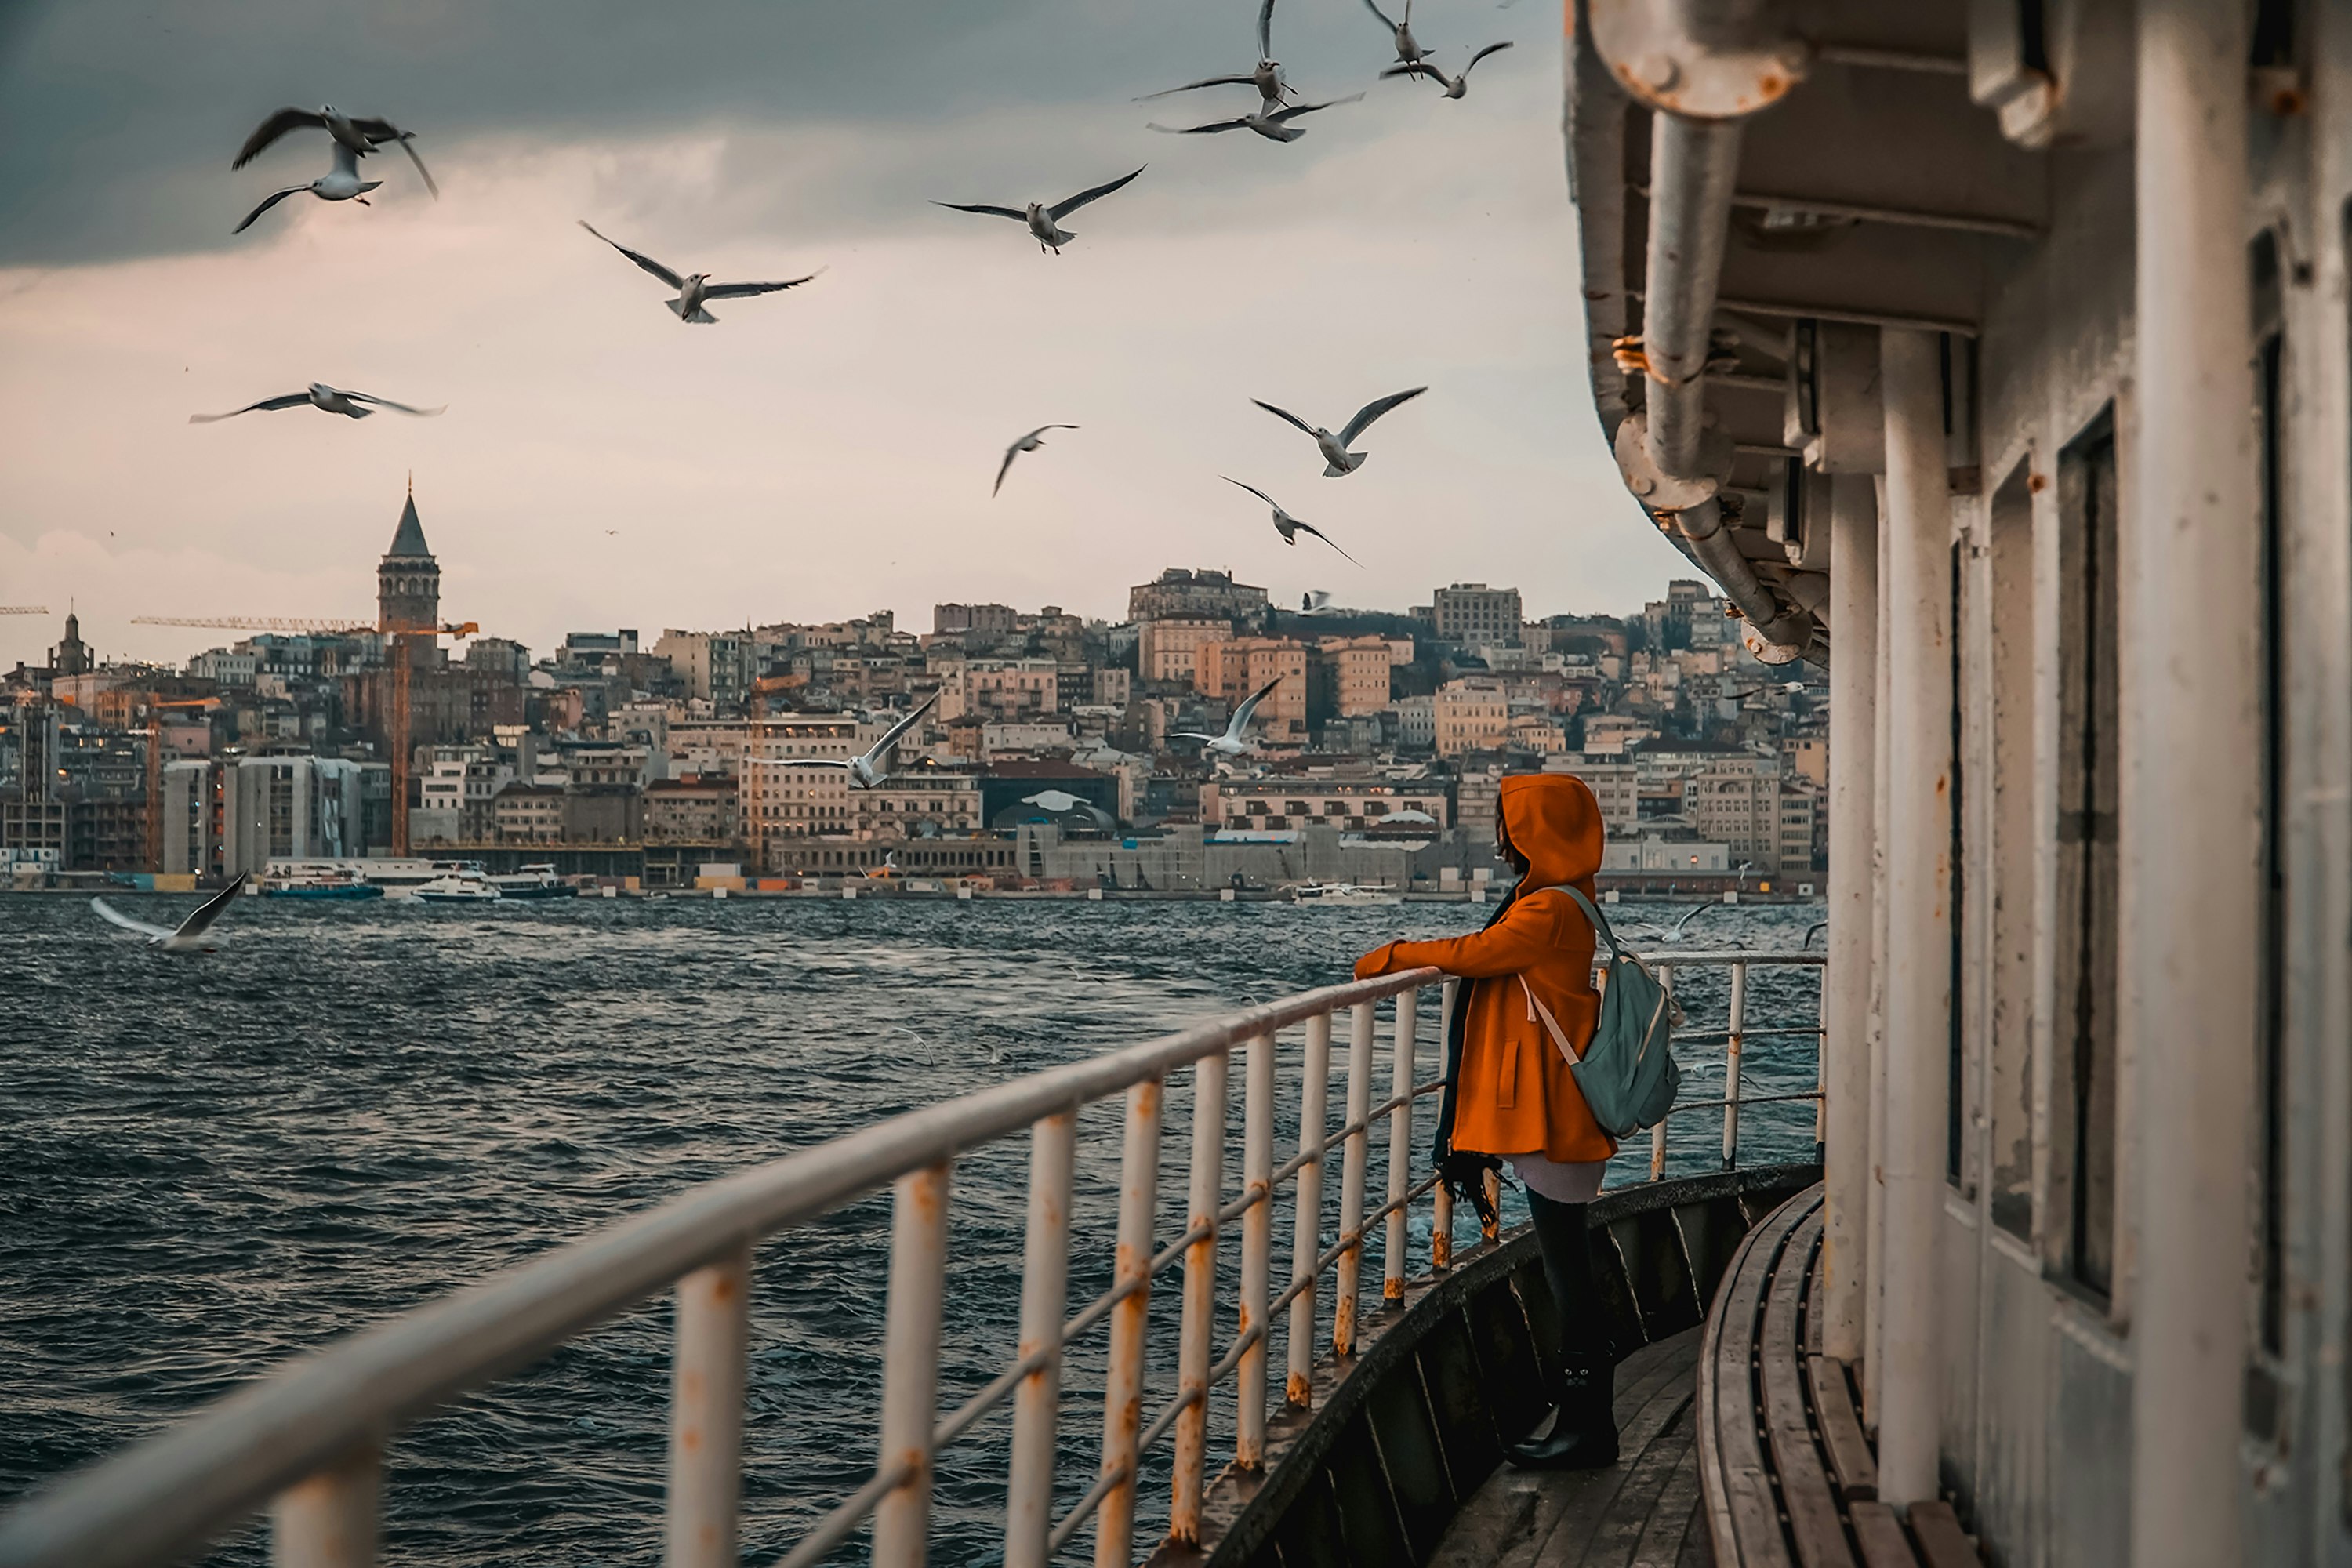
(1584, 1434)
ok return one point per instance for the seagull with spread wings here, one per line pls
(1231, 743)
(1268, 121)
(1317, 602)
(1337, 460)
(324, 398)
(1455, 86)
(1044, 222)
(1409, 54)
(1289, 527)
(868, 771)
(340, 184)
(694, 287)
(361, 135)
(1028, 443)
(190, 935)
(1266, 75)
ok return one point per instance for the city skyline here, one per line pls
(817, 454)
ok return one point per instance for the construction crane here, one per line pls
(402, 670)
(24, 609)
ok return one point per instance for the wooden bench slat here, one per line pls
(1811, 1507)
(1880, 1533)
(1743, 1519)
(1942, 1543)
(1852, 1462)
(1814, 1306)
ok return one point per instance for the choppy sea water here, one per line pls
(209, 1165)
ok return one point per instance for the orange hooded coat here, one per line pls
(1513, 1091)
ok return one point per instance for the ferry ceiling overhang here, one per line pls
(1760, 187)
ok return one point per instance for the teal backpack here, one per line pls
(1627, 1074)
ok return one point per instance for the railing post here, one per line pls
(910, 1363)
(1658, 1132)
(1351, 1180)
(706, 1415)
(1199, 1326)
(1138, 1189)
(330, 1519)
(1044, 1298)
(1402, 1043)
(1731, 1066)
(1257, 1251)
(1306, 1204)
(1440, 1228)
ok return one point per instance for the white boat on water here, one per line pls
(461, 886)
(1341, 893)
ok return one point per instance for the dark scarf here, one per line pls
(1463, 1173)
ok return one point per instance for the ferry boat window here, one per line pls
(2010, 1080)
(2085, 997)
(2271, 1021)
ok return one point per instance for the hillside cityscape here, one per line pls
(1049, 759)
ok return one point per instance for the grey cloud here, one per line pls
(118, 117)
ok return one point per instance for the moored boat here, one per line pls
(533, 882)
(464, 887)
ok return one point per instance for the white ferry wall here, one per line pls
(2035, 1407)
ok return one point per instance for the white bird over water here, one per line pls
(327, 400)
(360, 135)
(1337, 460)
(190, 936)
(1231, 742)
(1289, 527)
(865, 771)
(1409, 51)
(1266, 75)
(1455, 86)
(1046, 222)
(1028, 443)
(694, 287)
(1274, 124)
(340, 184)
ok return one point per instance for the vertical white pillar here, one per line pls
(1853, 742)
(1874, 1252)
(1918, 834)
(2190, 741)
(700, 1520)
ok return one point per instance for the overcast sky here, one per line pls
(820, 453)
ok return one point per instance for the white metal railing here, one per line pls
(1735, 1035)
(306, 1443)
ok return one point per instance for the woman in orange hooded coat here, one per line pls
(1509, 1092)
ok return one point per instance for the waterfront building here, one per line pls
(1355, 806)
(292, 808)
(1471, 714)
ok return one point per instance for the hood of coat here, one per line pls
(1553, 820)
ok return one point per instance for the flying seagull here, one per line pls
(340, 184)
(868, 771)
(1028, 443)
(1337, 460)
(190, 937)
(1274, 125)
(1289, 527)
(361, 136)
(1046, 222)
(1316, 602)
(1231, 743)
(1409, 51)
(326, 399)
(1455, 86)
(1266, 75)
(694, 287)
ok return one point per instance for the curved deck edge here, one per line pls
(1405, 1431)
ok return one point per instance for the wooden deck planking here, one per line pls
(1805, 1495)
(1747, 1509)
(1532, 1519)
(1843, 1439)
(1880, 1533)
(1942, 1543)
